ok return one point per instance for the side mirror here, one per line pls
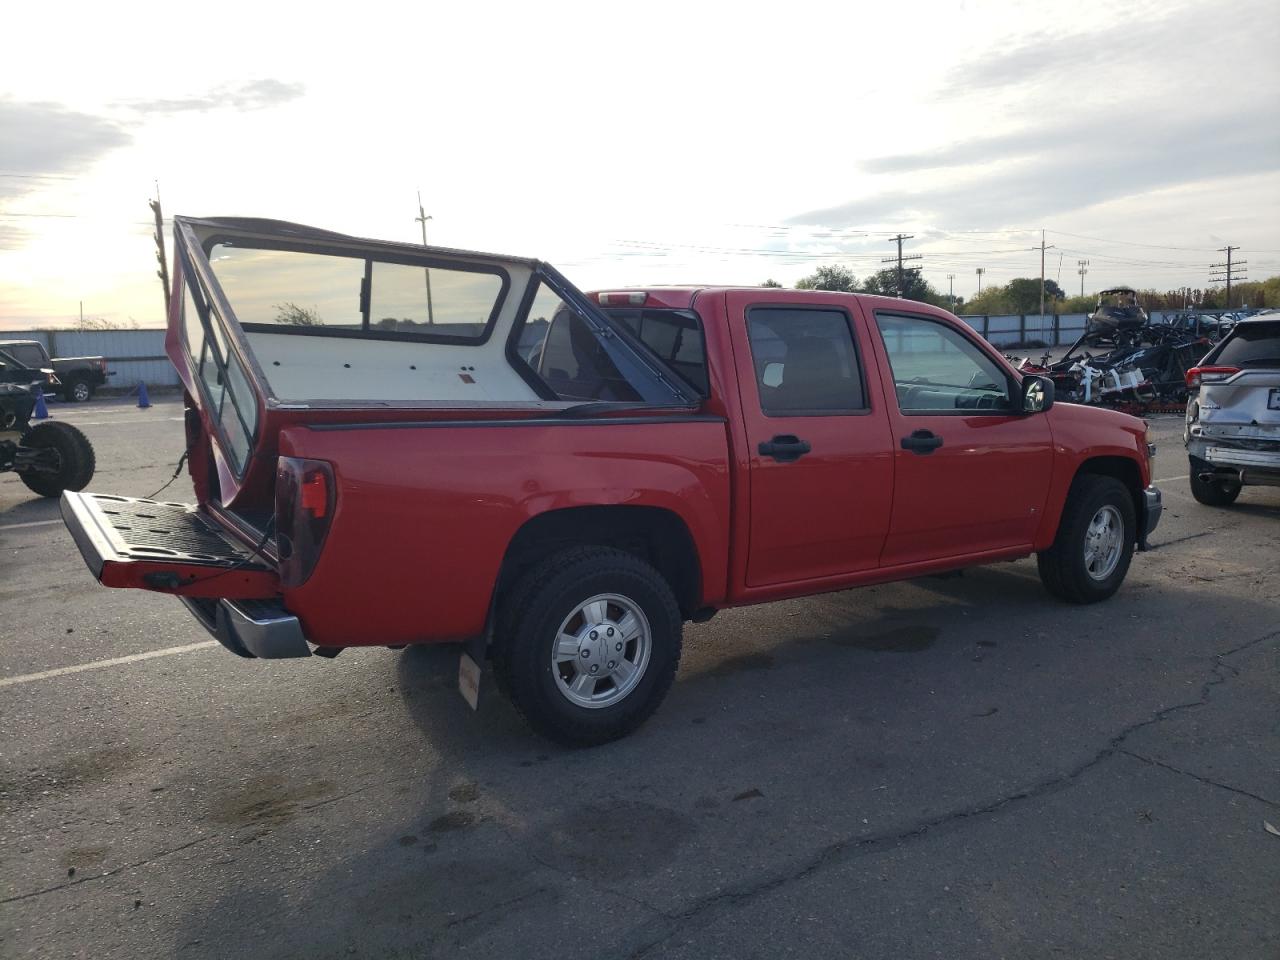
(1037, 394)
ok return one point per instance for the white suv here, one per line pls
(1233, 412)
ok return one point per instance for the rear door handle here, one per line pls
(785, 448)
(922, 442)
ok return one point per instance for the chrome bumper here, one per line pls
(251, 628)
(1152, 508)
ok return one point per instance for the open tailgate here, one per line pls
(167, 547)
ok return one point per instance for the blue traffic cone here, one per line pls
(42, 409)
(143, 400)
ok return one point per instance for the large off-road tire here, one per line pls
(1096, 536)
(1212, 493)
(588, 644)
(75, 456)
(78, 390)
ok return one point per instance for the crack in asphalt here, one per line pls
(850, 847)
(98, 876)
(1208, 781)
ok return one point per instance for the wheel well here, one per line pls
(657, 536)
(1124, 470)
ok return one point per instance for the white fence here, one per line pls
(132, 355)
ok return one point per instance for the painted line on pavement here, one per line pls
(1185, 476)
(103, 664)
(118, 423)
(23, 526)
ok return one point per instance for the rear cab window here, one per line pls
(674, 336)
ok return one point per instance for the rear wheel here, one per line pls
(78, 391)
(1096, 534)
(1213, 493)
(589, 644)
(69, 463)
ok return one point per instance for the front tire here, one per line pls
(73, 453)
(1212, 493)
(1096, 535)
(589, 644)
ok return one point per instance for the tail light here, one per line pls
(102, 364)
(305, 499)
(1198, 375)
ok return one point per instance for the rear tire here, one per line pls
(574, 683)
(1212, 493)
(78, 391)
(1096, 535)
(75, 455)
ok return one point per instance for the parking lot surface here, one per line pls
(953, 768)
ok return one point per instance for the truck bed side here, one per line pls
(426, 511)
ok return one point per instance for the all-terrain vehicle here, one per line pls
(50, 456)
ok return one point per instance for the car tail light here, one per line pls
(626, 298)
(102, 364)
(1199, 375)
(305, 499)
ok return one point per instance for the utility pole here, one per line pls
(1218, 272)
(1084, 268)
(980, 271)
(951, 290)
(422, 218)
(163, 272)
(912, 256)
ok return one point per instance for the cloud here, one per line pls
(48, 139)
(257, 95)
(1013, 179)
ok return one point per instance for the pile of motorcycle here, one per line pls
(1142, 369)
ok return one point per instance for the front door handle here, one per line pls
(785, 448)
(922, 442)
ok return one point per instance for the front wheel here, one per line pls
(65, 462)
(1096, 534)
(589, 645)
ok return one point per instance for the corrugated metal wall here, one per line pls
(132, 355)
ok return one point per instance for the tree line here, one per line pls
(1022, 294)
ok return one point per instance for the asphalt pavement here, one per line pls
(958, 768)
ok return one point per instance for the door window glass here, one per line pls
(805, 361)
(937, 369)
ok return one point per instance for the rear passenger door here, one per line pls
(821, 464)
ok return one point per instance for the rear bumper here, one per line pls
(251, 628)
(1152, 508)
(1252, 461)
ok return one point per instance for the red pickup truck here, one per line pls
(392, 444)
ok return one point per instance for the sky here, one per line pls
(646, 143)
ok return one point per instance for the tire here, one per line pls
(552, 695)
(78, 391)
(75, 452)
(1212, 493)
(1081, 566)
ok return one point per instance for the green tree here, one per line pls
(915, 286)
(829, 277)
(771, 283)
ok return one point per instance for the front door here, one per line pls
(972, 473)
(821, 461)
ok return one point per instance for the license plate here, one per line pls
(1273, 399)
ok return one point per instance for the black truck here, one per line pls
(79, 376)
